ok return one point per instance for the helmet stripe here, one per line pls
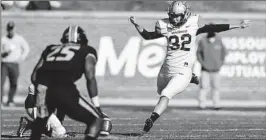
(76, 34)
(73, 33)
(70, 34)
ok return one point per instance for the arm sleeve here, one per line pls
(93, 53)
(213, 28)
(150, 35)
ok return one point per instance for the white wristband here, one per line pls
(31, 89)
(95, 101)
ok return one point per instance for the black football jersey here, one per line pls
(63, 64)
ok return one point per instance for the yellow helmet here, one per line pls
(178, 12)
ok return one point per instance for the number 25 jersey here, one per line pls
(64, 64)
(181, 43)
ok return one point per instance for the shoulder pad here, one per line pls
(48, 48)
(195, 17)
(161, 25)
(91, 51)
(193, 20)
(52, 45)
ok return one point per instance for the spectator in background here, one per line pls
(43, 5)
(14, 48)
(211, 54)
(135, 5)
(3, 6)
(30, 5)
(13, 5)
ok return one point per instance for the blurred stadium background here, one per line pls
(120, 48)
(128, 66)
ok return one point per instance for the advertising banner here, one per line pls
(128, 65)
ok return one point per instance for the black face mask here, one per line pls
(173, 16)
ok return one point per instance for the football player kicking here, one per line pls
(54, 79)
(180, 29)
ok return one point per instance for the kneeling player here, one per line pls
(55, 122)
(61, 65)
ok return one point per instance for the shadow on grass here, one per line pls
(69, 135)
(14, 136)
(129, 134)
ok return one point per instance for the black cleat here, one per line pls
(194, 79)
(89, 138)
(24, 124)
(148, 125)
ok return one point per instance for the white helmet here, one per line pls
(178, 12)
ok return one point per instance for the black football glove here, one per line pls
(194, 79)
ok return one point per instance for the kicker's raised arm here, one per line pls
(144, 33)
(222, 27)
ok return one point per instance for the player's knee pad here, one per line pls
(59, 132)
(55, 127)
(107, 126)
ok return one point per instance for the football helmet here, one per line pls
(178, 12)
(74, 34)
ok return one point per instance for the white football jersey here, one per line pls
(181, 46)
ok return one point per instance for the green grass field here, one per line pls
(174, 124)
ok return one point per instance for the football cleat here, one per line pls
(107, 126)
(202, 105)
(89, 138)
(24, 125)
(10, 104)
(148, 125)
(194, 79)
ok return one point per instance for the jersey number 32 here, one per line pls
(176, 43)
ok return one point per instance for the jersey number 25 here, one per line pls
(175, 43)
(62, 54)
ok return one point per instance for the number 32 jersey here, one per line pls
(63, 64)
(181, 43)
